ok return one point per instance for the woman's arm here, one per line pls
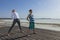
(28, 17)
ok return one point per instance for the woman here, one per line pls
(31, 21)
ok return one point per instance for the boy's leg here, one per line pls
(18, 21)
(14, 21)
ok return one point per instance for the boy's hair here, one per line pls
(13, 10)
(30, 10)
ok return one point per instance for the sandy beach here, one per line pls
(43, 31)
(41, 34)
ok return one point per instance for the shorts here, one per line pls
(31, 25)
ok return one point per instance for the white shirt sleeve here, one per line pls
(11, 15)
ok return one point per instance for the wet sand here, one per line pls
(41, 34)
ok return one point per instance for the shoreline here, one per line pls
(39, 22)
(41, 25)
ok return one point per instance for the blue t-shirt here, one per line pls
(31, 18)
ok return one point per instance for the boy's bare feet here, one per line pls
(29, 35)
(8, 34)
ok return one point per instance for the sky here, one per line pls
(41, 8)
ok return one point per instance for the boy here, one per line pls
(15, 18)
(31, 21)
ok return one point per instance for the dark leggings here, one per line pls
(14, 22)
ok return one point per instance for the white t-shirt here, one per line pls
(15, 15)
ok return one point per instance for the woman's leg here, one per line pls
(32, 27)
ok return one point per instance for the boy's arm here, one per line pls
(11, 15)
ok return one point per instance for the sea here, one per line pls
(48, 23)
